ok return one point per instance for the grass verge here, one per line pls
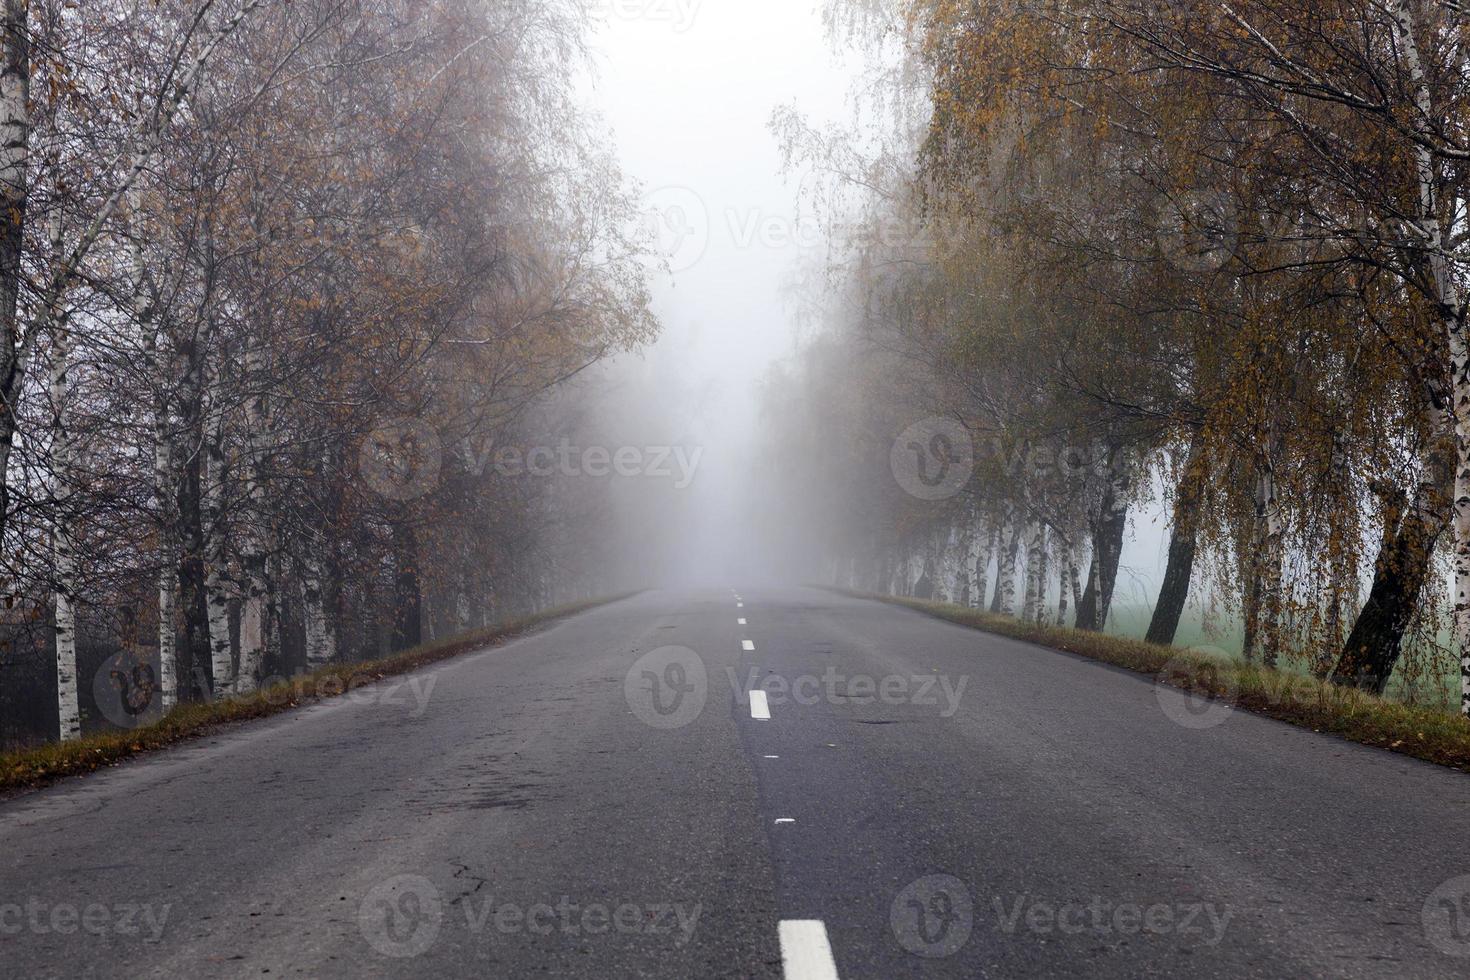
(1430, 734)
(30, 768)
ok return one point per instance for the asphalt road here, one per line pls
(605, 799)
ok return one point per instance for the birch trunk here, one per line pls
(1342, 556)
(1069, 585)
(934, 564)
(1451, 300)
(1462, 513)
(1043, 574)
(924, 588)
(407, 592)
(64, 554)
(1183, 547)
(321, 640)
(1270, 536)
(163, 478)
(956, 582)
(275, 601)
(195, 655)
(987, 539)
(1076, 582)
(969, 560)
(1410, 535)
(1035, 572)
(1005, 586)
(1109, 525)
(254, 546)
(68, 703)
(15, 135)
(144, 308)
(216, 577)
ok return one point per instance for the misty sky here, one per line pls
(688, 88)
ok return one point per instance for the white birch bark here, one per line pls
(320, 639)
(985, 540)
(63, 546)
(1043, 573)
(938, 559)
(952, 562)
(168, 581)
(275, 613)
(1342, 585)
(255, 629)
(15, 134)
(1269, 557)
(321, 636)
(1035, 572)
(969, 558)
(1076, 582)
(1452, 309)
(1006, 584)
(144, 310)
(216, 575)
(1069, 584)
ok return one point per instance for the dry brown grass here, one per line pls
(1425, 733)
(35, 767)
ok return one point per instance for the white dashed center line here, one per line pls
(747, 646)
(760, 707)
(741, 621)
(805, 952)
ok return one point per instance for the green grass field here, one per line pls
(1427, 679)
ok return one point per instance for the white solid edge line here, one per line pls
(760, 708)
(805, 952)
(747, 646)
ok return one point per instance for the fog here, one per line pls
(688, 91)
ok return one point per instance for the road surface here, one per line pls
(605, 799)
